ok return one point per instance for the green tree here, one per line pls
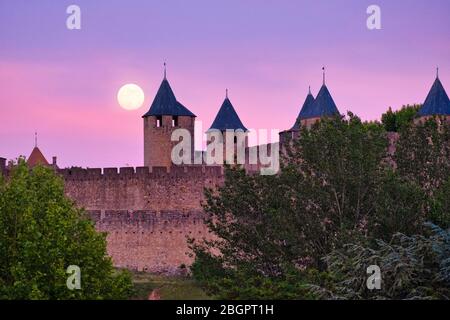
(337, 186)
(338, 166)
(395, 121)
(269, 226)
(423, 153)
(412, 267)
(399, 206)
(42, 233)
(440, 211)
(389, 120)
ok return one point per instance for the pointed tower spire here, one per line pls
(165, 103)
(437, 101)
(305, 111)
(36, 157)
(227, 118)
(324, 105)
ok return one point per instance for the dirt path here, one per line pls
(154, 295)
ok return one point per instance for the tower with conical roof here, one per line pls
(233, 132)
(313, 110)
(305, 110)
(37, 157)
(436, 103)
(165, 115)
(322, 107)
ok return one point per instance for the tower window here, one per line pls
(158, 121)
(235, 139)
(175, 121)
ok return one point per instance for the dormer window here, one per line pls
(158, 121)
(175, 121)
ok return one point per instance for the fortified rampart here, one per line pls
(148, 214)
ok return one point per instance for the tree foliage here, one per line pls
(400, 206)
(336, 187)
(412, 267)
(42, 233)
(423, 153)
(440, 210)
(336, 168)
(395, 121)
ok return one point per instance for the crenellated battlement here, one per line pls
(146, 219)
(178, 172)
(142, 188)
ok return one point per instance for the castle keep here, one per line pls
(148, 212)
(165, 115)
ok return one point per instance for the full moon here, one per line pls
(130, 96)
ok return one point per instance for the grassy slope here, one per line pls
(170, 288)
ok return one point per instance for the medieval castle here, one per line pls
(148, 212)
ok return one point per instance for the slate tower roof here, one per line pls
(165, 103)
(304, 111)
(227, 118)
(437, 101)
(323, 105)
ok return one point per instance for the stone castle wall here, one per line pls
(147, 213)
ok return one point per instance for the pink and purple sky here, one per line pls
(63, 83)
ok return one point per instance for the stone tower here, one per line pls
(322, 107)
(166, 115)
(312, 111)
(233, 132)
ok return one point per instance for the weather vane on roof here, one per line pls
(226, 93)
(164, 70)
(323, 69)
(35, 139)
(437, 72)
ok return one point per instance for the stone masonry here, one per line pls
(147, 214)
